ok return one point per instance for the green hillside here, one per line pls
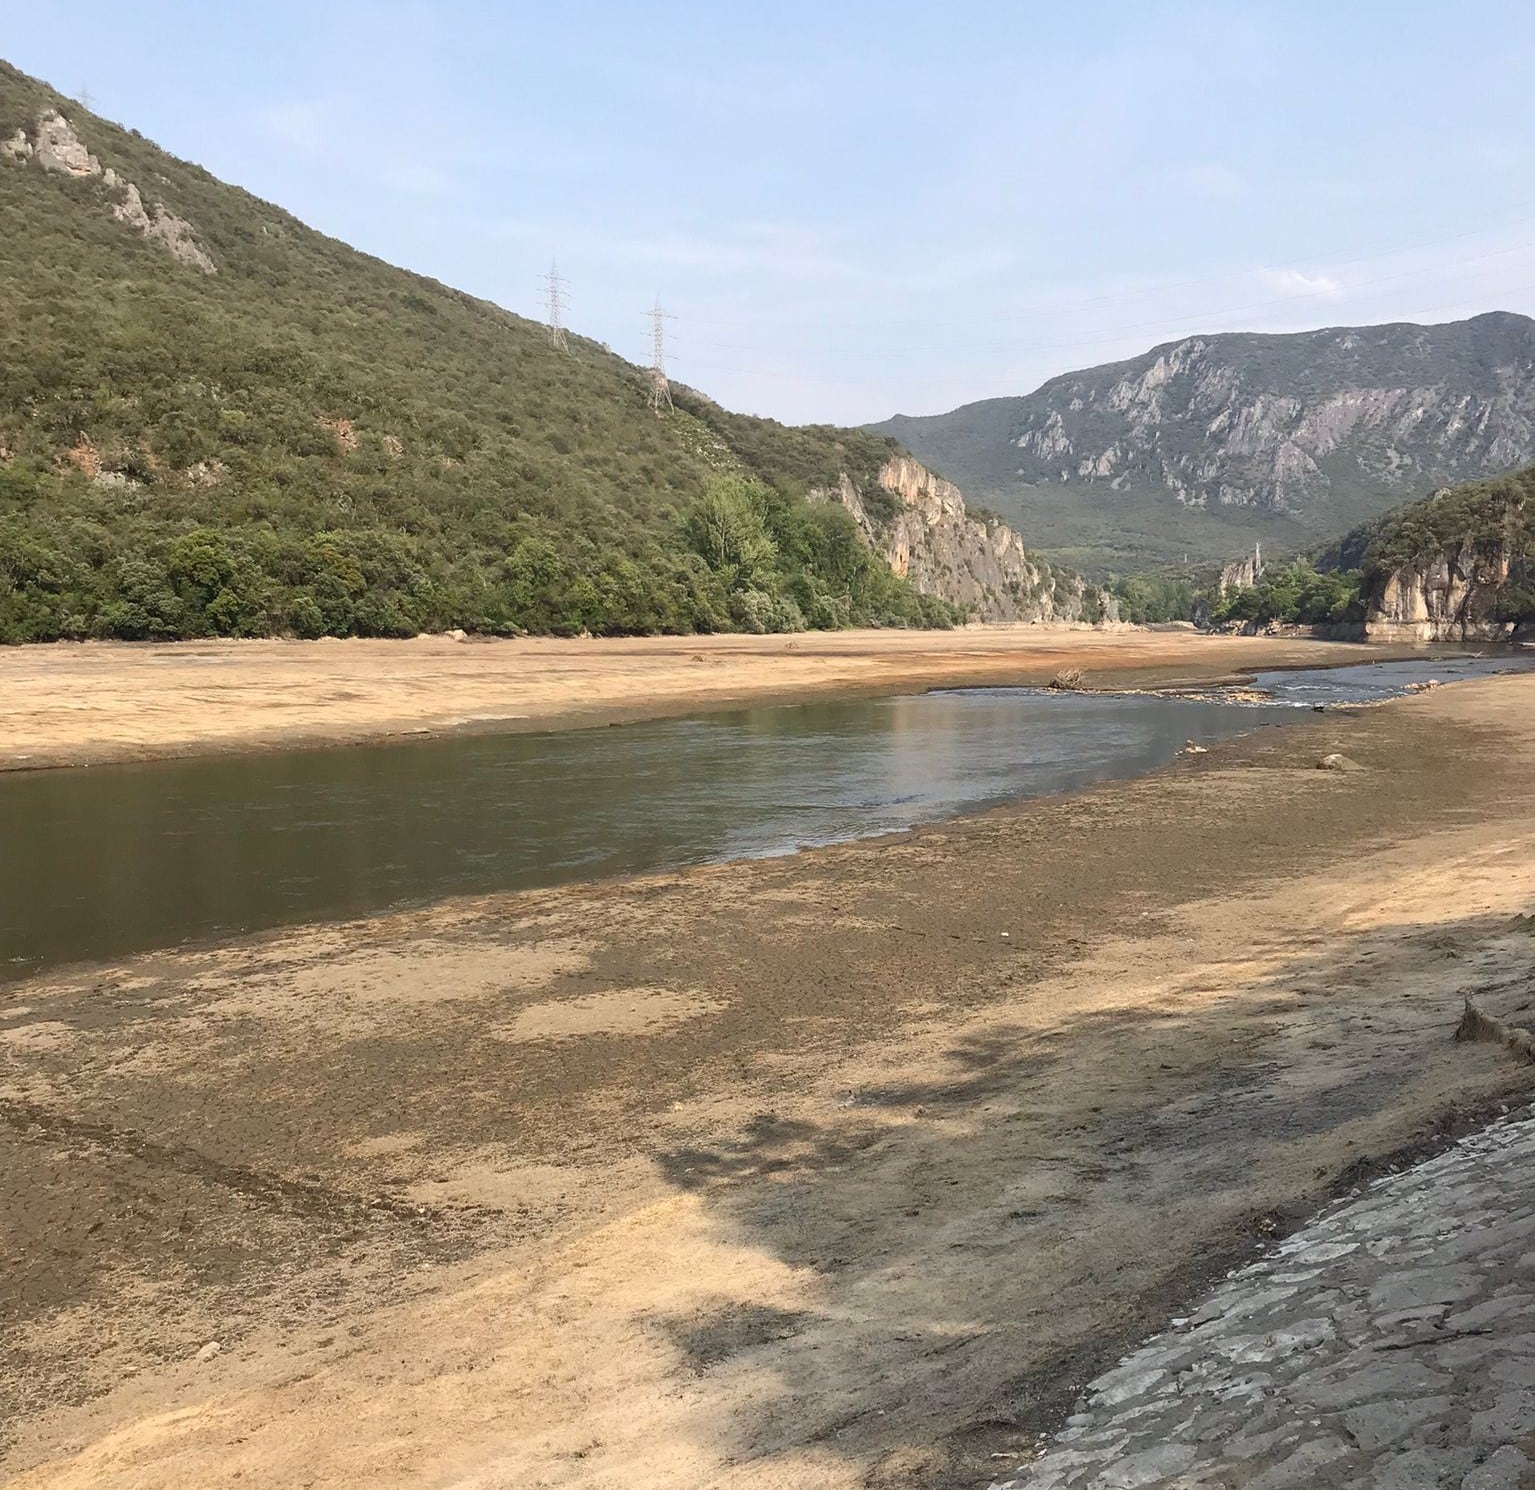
(307, 440)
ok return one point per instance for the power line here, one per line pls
(1321, 263)
(1106, 338)
(554, 303)
(1360, 290)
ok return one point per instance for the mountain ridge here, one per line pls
(1206, 443)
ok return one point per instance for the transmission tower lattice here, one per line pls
(660, 389)
(555, 302)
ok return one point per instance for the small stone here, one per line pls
(1503, 1470)
(1511, 1417)
(1375, 1424)
(1301, 1467)
(207, 1353)
(1146, 1467)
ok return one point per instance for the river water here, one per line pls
(110, 860)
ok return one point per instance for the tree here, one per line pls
(725, 527)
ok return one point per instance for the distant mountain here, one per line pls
(1204, 445)
(217, 421)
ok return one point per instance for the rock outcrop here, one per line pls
(1384, 1343)
(57, 148)
(173, 233)
(1452, 596)
(917, 521)
(53, 145)
(1456, 567)
(1240, 574)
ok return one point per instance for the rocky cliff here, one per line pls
(918, 523)
(1450, 596)
(1459, 566)
(1240, 574)
(1267, 436)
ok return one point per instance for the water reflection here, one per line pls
(100, 862)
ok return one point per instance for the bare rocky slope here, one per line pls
(1203, 445)
(931, 538)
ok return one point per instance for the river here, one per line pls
(110, 860)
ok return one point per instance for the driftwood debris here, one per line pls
(1475, 1025)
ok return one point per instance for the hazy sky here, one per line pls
(854, 209)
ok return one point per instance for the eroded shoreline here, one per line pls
(784, 1173)
(71, 704)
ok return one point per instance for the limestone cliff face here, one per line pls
(918, 523)
(1457, 566)
(1239, 574)
(1449, 597)
(1229, 421)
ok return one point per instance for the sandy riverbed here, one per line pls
(72, 704)
(789, 1175)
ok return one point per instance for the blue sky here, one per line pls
(854, 209)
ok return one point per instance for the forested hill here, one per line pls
(216, 421)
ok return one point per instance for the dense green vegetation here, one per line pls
(1147, 599)
(312, 442)
(1298, 594)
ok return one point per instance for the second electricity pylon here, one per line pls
(660, 389)
(554, 301)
